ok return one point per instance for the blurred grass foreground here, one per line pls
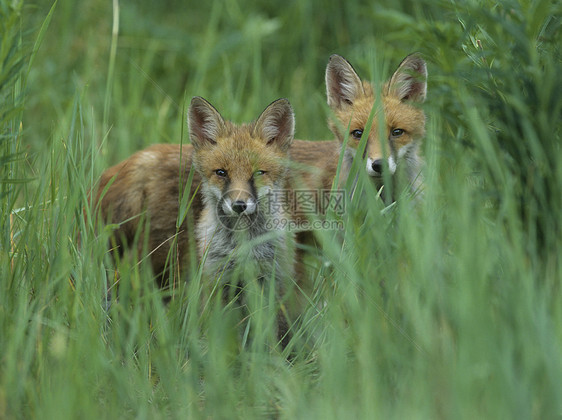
(450, 311)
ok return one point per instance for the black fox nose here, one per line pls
(377, 166)
(239, 206)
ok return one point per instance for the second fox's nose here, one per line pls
(239, 206)
(377, 166)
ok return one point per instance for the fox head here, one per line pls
(240, 164)
(352, 100)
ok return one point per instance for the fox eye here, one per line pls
(356, 134)
(397, 132)
(221, 173)
(259, 173)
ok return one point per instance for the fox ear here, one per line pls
(276, 124)
(205, 122)
(409, 82)
(343, 85)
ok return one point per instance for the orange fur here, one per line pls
(149, 183)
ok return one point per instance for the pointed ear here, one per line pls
(205, 122)
(276, 124)
(343, 85)
(409, 82)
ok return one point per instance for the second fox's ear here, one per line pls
(205, 122)
(276, 124)
(409, 82)
(343, 85)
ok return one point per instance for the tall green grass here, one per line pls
(446, 310)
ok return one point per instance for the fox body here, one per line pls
(395, 145)
(147, 187)
(243, 169)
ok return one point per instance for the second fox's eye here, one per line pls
(397, 132)
(356, 134)
(259, 173)
(221, 173)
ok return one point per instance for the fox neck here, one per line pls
(413, 165)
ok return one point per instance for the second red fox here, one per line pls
(395, 146)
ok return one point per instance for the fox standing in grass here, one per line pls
(239, 195)
(243, 170)
(351, 101)
(394, 147)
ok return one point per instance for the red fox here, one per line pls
(243, 199)
(243, 170)
(149, 185)
(352, 100)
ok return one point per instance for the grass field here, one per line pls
(450, 311)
